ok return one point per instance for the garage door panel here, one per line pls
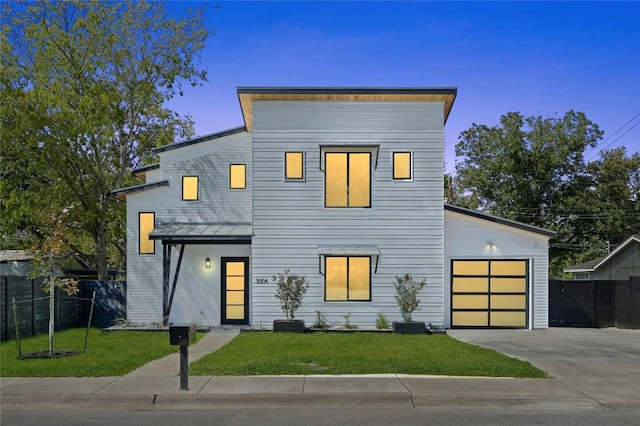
(508, 302)
(470, 267)
(471, 319)
(508, 319)
(470, 301)
(508, 285)
(470, 285)
(509, 267)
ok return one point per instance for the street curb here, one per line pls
(76, 401)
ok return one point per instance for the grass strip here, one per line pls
(267, 353)
(108, 354)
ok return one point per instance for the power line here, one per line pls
(599, 145)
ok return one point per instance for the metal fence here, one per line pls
(32, 306)
(575, 303)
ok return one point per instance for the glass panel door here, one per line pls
(235, 290)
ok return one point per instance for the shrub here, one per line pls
(290, 289)
(407, 290)
(381, 322)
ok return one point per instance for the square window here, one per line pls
(402, 165)
(146, 224)
(189, 188)
(294, 165)
(237, 176)
(347, 278)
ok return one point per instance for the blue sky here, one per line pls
(539, 58)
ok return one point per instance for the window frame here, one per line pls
(197, 188)
(393, 166)
(231, 174)
(347, 257)
(148, 238)
(348, 153)
(302, 167)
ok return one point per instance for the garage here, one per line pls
(489, 293)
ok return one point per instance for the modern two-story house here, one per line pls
(341, 185)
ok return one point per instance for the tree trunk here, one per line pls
(100, 239)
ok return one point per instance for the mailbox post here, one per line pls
(183, 335)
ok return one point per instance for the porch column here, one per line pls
(166, 269)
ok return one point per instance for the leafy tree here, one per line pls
(522, 168)
(83, 86)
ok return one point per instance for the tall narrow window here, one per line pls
(293, 165)
(402, 165)
(237, 176)
(347, 179)
(190, 188)
(146, 224)
(347, 278)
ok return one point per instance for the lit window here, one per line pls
(402, 165)
(190, 188)
(348, 179)
(293, 165)
(237, 176)
(347, 278)
(146, 225)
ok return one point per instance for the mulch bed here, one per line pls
(46, 354)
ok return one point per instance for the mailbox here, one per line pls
(182, 335)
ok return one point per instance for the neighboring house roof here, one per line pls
(594, 264)
(200, 139)
(203, 232)
(15, 255)
(499, 220)
(123, 192)
(246, 96)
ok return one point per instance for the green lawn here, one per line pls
(108, 354)
(268, 353)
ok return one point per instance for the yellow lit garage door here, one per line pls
(489, 293)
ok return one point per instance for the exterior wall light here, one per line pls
(207, 263)
(491, 245)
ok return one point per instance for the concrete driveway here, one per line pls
(603, 364)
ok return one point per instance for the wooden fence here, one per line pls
(32, 305)
(575, 303)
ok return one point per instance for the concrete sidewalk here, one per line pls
(157, 384)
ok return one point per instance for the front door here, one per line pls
(235, 290)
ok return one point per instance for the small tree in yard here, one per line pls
(407, 290)
(290, 291)
(47, 264)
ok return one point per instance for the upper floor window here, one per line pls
(146, 224)
(237, 176)
(402, 165)
(347, 179)
(294, 165)
(347, 278)
(189, 188)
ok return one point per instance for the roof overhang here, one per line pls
(194, 233)
(122, 193)
(501, 221)
(247, 95)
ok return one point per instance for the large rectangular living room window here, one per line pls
(347, 179)
(347, 278)
(146, 224)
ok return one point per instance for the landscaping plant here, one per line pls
(290, 289)
(407, 290)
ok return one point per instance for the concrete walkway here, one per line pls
(157, 384)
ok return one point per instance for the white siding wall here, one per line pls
(466, 237)
(198, 289)
(405, 220)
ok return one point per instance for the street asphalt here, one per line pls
(590, 369)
